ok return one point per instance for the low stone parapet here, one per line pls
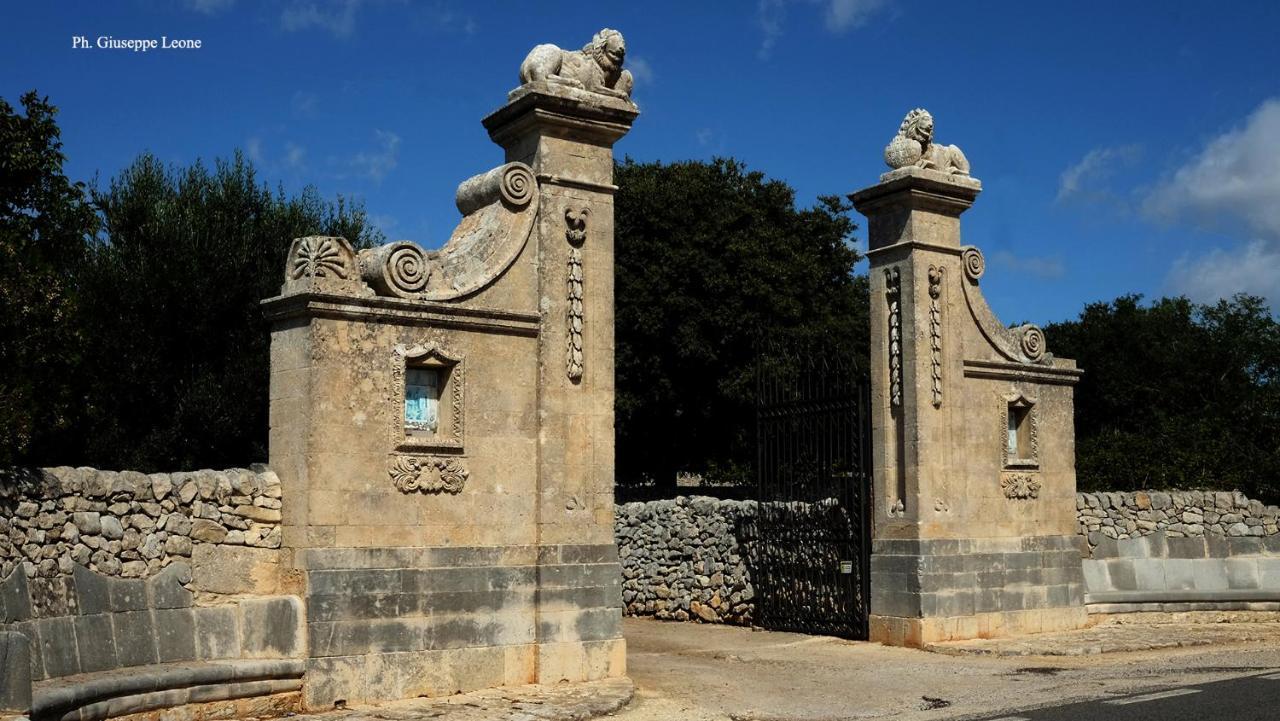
(93, 646)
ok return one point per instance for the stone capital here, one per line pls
(916, 205)
(561, 111)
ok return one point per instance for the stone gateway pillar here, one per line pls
(442, 421)
(974, 528)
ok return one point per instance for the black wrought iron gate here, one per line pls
(814, 475)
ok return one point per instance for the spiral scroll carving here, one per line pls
(407, 268)
(974, 264)
(517, 185)
(1033, 343)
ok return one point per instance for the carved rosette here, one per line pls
(576, 234)
(893, 294)
(1020, 485)
(319, 262)
(428, 474)
(316, 257)
(935, 331)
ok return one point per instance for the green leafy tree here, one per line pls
(1176, 394)
(44, 224)
(177, 353)
(714, 263)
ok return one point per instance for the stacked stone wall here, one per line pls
(1178, 514)
(129, 524)
(687, 558)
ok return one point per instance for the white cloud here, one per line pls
(1087, 178)
(336, 16)
(376, 164)
(846, 14)
(253, 148)
(210, 7)
(295, 156)
(640, 70)
(304, 103)
(839, 16)
(770, 14)
(1046, 268)
(1233, 181)
(1232, 184)
(1223, 273)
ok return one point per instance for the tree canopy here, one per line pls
(713, 263)
(177, 352)
(44, 224)
(130, 331)
(1176, 394)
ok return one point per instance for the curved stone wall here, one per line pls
(130, 524)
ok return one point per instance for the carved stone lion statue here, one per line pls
(597, 67)
(913, 145)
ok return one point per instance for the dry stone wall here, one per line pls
(130, 524)
(687, 558)
(1178, 514)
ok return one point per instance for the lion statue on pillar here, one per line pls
(913, 145)
(597, 67)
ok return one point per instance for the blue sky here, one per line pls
(1123, 147)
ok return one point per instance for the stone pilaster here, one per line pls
(968, 540)
(566, 136)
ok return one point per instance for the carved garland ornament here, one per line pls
(935, 331)
(576, 234)
(428, 474)
(893, 293)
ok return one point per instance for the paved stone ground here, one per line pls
(568, 702)
(1132, 632)
(703, 672)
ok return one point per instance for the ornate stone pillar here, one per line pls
(442, 420)
(974, 530)
(566, 136)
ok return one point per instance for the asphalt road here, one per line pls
(694, 672)
(1248, 698)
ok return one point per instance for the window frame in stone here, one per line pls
(448, 433)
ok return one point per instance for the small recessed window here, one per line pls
(1018, 442)
(422, 399)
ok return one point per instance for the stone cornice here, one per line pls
(1005, 370)
(380, 309)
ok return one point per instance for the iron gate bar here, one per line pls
(813, 488)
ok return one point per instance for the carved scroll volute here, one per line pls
(576, 234)
(498, 207)
(399, 269)
(321, 263)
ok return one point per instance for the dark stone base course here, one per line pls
(391, 600)
(964, 577)
(101, 696)
(393, 622)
